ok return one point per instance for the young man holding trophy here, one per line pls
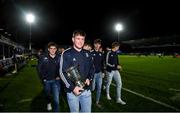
(77, 71)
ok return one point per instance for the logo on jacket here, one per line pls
(87, 55)
(74, 59)
(45, 59)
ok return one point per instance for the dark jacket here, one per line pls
(98, 60)
(48, 67)
(82, 59)
(111, 61)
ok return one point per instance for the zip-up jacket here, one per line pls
(98, 60)
(83, 59)
(111, 61)
(48, 67)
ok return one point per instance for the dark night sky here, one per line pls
(56, 20)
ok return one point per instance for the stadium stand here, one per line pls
(169, 45)
(10, 53)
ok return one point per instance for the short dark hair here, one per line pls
(79, 32)
(97, 41)
(52, 44)
(87, 44)
(115, 44)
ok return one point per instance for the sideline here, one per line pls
(149, 98)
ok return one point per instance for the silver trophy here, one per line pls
(74, 75)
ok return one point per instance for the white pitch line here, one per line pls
(151, 99)
(172, 89)
(24, 100)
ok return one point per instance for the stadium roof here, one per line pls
(155, 42)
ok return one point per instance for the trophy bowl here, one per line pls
(74, 75)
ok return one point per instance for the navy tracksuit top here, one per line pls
(111, 61)
(83, 59)
(98, 60)
(48, 67)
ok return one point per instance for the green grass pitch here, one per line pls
(150, 84)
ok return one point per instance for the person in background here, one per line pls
(113, 68)
(87, 46)
(60, 50)
(15, 61)
(98, 60)
(48, 68)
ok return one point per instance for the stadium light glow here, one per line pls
(30, 18)
(118, 28)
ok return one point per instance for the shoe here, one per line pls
(120, 101)
(98, 105)
(14, 72)
(108, 97)
(49, 107)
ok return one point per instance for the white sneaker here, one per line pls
(49, 107)
(108, 97)
(14, 72)
(120, 101)
(98, 105)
